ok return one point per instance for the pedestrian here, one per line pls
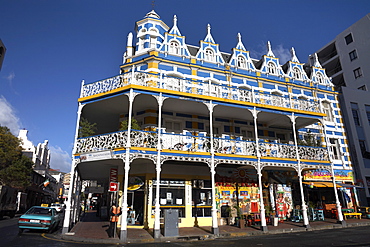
(115, 212)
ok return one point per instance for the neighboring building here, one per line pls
(347, 61)
(2, 53)
(214, 132)
(40, 156)
(66, 185)
(59, 177)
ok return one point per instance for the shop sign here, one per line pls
(113, 187)
(96, 156)
(325, 175)
(98, 190)
(135, 183)
(113, 175)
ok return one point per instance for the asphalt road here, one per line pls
(352, 237)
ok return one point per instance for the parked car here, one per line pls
(39, 218)
(58, 207)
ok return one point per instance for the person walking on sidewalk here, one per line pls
(115, 212)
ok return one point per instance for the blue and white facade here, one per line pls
(209, 120)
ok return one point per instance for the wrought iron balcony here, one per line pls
(198, 142)
(206, 88)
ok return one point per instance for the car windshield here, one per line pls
(42, 211)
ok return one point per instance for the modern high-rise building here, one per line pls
(2, 53)
(347, 61)
(212, 136)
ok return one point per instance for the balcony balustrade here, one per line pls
(206, 88)
(198, 142)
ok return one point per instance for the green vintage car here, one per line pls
(39, 218)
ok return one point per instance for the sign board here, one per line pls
(96, 156)
(99, 190)
(113, 175)
(113, 187)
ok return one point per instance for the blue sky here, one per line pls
(53, 45)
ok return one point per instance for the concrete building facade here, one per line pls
(347, 60)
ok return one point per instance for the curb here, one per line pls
(208, 236)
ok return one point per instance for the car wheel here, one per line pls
(50, 230)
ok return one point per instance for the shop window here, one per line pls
(171, 195)
(202, 198)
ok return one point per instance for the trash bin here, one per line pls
(171, 222)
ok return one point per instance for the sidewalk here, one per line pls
(92, 229)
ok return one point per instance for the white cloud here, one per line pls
(60, 159)
(8, 116)
(282, 53)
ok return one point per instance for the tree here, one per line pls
(86, 128)
(134, 124)
(15, 168)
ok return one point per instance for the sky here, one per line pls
(53, 45)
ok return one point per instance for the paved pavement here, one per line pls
(92, 229)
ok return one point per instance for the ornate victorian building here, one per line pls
(209, 134)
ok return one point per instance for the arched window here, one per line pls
(271, 68)
(174, 48)
(209, 55)
(297, 73)
(320, 78)
(241, 62)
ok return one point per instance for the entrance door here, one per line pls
(135, 201)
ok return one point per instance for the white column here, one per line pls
(157, 227)
(215, 229)
(259, 173)
(67, 215)
(339, 207)
(304, 206)
(124, 207)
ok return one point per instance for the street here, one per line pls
(352, 236)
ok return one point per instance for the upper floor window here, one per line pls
(327, 110)
(367, 107)
(209, 55)
(349, 39)
(363, 87)
(174, 48)
(334, 146)
(297, 73)
(320, 78)
(357, 72)
(241, 62)
(153, 42)
(271, 68)
(353, 55)
(356, 116)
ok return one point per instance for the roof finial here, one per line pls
(175, 20)
(209, 28)
(269, 50)
(294, 57)
(316, 62)
(239, 37)
(153, 5)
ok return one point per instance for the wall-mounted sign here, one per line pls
(96, 156)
